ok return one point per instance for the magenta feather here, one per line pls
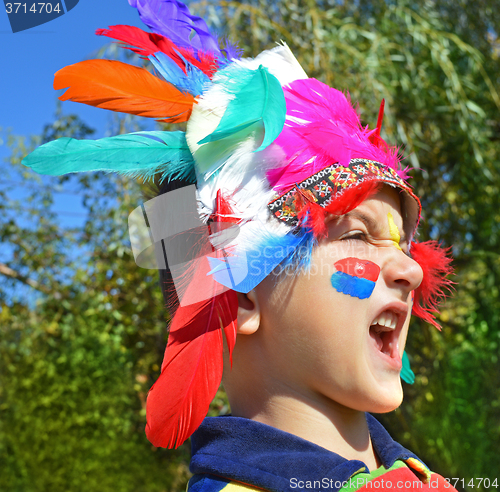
(322, 128)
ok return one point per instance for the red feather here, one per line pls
(225, 213)
(191, 371)
(310, 214)
(313, 216)
(353, 197)
(193, 363)
(148, 43)
(229, 300)
(375, 137)
(436, 265)
(380, 117)
(315, 219)
(117, 86)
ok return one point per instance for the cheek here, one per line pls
(355, 277)
(328, 294)
(404, 331)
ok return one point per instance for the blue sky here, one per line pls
(29, 59)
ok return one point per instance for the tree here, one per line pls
(80, 341)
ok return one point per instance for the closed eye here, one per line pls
(355, 235)
(363, 236)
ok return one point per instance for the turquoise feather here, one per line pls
(259, 99)
(140, 154)
(407, 375)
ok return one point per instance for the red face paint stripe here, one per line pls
(358, 268)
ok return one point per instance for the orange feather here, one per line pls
(120, 87)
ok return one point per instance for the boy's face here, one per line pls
(326, 345)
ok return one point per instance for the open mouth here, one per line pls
(385, 330)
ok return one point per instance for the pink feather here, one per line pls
(323, 128)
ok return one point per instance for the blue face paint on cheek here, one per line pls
(355, 277)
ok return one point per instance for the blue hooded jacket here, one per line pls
(232, 452)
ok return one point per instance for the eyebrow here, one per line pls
(370, 222)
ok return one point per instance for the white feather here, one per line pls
(281, 62)
(210, 107)
(241, 174)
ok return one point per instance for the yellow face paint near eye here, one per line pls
(394, 231)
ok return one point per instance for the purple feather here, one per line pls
(231, 52)
(173, 19)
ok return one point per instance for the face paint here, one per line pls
(394, 231)
(355, 277)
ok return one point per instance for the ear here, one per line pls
(248, 313)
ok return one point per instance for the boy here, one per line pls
(310, 361)
(301, 243)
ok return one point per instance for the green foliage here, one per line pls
(77, 360)
(453, 411)
(71, 414)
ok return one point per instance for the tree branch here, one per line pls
(9, 272)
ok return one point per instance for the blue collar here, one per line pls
(257, 454)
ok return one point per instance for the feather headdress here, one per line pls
(269, 152)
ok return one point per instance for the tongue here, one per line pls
(377, 338)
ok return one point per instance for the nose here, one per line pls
(402, 271)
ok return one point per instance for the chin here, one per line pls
(392, 401)
(383, 399)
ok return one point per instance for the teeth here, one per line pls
(387, 319)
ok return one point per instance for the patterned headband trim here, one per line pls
(329, 184)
